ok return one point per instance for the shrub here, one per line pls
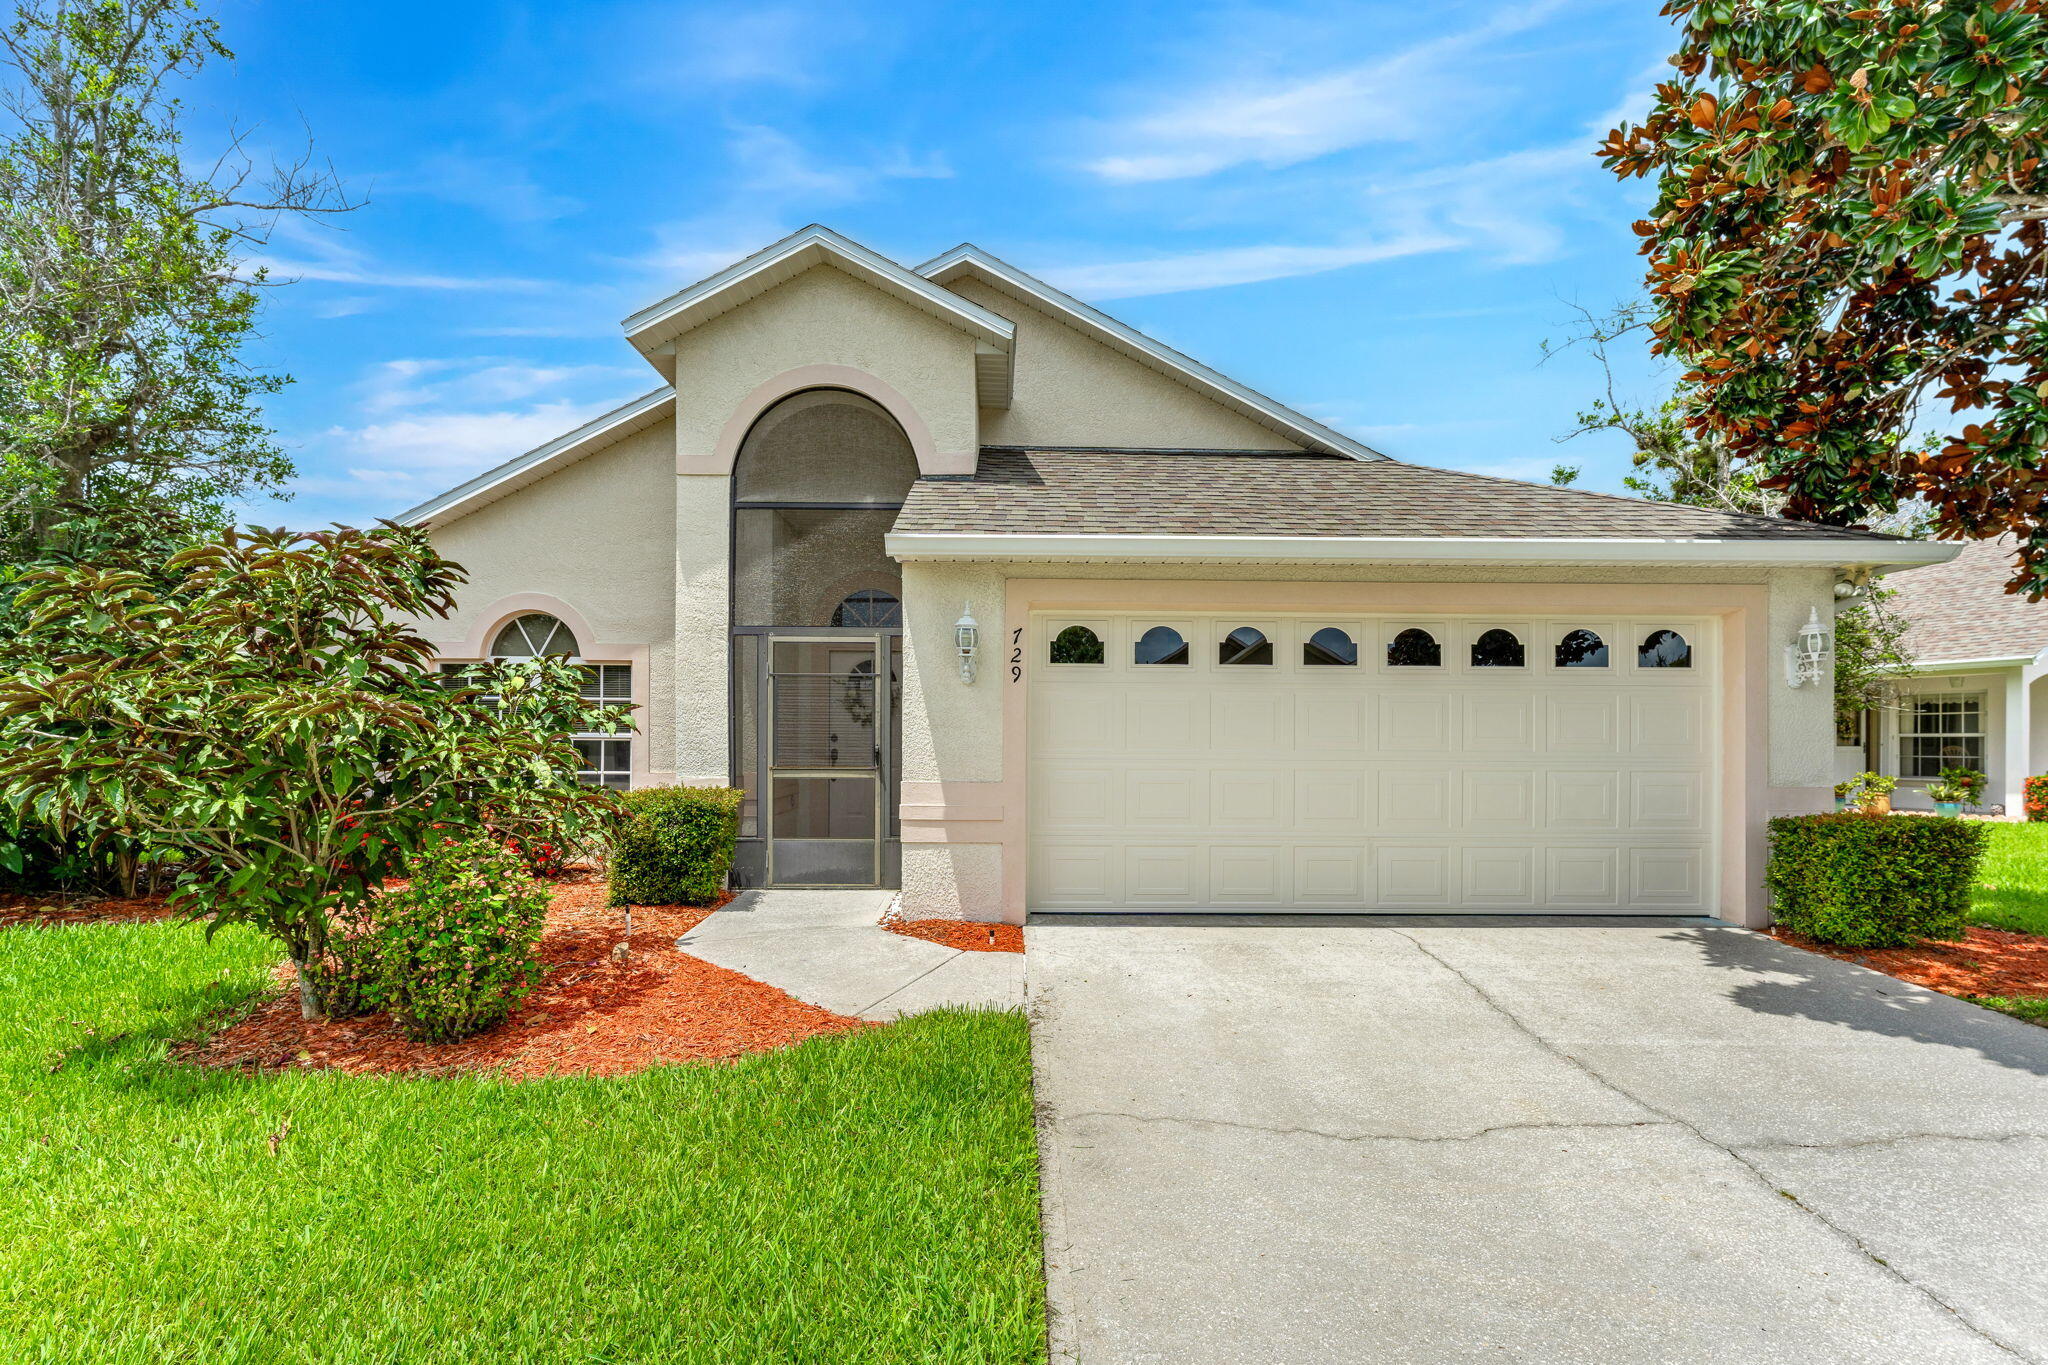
(1963, 786)
(1873, 881)
(2037, 797)
(675, 845)
(456, 948)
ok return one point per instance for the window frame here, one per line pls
(451, 670)
(1909, 715)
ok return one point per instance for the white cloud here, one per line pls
(411, 383)
(1257, 116)
(498, 186)
(1213, 268)
(321, 255)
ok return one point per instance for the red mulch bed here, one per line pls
(590, 1015)
(18, 911)
(970, 935)
(1985, 962)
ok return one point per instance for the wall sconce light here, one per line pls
(1806, 658)
(967, 640)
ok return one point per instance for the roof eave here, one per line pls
(1250, 403)
(952, 545)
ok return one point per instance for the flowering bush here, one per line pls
(457, 947)
(542, 857)
(2037, 797)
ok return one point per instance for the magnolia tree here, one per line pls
(260, 705)
(1849, 250)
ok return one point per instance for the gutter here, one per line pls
(1885, 556)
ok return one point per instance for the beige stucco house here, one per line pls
(979, 592)
(1975, 698)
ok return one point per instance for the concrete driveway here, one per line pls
(1327, 1140)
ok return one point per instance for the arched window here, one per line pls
(1414, 648)
(1330, 647)
(533, 636)
(1160, 645)
(1664, 649)
(1076, 645)
(1581, 649)
(1245, 645)
(1497, 648)
(871, 608)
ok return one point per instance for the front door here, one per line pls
(825, 796)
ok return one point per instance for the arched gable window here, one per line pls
(1160, 645)
(870, 607)
(532, 636)
(1581, 649)
(1414, 648)
(1664, 649)
(1076, 645)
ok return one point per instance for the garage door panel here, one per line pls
(1416, 800)
(1373, 787)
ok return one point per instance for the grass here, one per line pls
(2012, 883)
(871, 1196)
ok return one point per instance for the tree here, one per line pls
(122, 307)
(1849, 225)
(259, 703)
(1870, 655)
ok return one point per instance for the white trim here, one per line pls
(1156, 355)
(542, 460)
(652, 327)
(2004, 661)
(948, 545)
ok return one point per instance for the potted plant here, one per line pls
(1956, 788)
(1873, 794)
(1846, 793)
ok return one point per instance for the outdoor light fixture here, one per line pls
(967, 640)
(1807, 656)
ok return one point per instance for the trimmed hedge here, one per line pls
(675, 845)
(1874, 881)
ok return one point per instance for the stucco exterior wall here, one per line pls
(598, 537)
(1071, 390)
(701, 646)
(823, 317)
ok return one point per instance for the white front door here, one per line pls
(1486, 764)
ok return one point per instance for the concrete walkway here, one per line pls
(827, 947)
(1333, 1140)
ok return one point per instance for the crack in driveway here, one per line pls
(1756, 1173)
(1363, 1137)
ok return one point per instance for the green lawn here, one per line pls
(866, 1197)
(2012, 884)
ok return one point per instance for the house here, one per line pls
(1976, 699)
(977, 591)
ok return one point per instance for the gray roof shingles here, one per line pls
(1961, 610)
(1265, 493)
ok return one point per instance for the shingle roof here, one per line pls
(1265, 493)
(1961, 610)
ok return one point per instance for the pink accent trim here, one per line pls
(719, 460)
(475, 647)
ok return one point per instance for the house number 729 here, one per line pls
(1016, 654)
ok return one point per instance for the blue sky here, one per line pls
(1374, 212)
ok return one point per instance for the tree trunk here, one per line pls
(309, 996)
(124, 868)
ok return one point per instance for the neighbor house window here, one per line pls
(1160, 645)
(1330, 647)
(1581, 649)
(1076, 645)
(1497, 648)
(1664, 649)
(1245, 646)
(1941, 732)
(1414, 648)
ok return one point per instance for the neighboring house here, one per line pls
(1226, 658)
(1977, 700)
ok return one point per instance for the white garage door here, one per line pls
(1493, 764)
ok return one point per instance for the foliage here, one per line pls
(1862, 790)
(456, 948)
(1964, 786)
(2012, 881)
(123, 304)
(259, 704)
(1873, 881)
(675, 845)
(2037, 797)
(1870, 653)
(759, 1210)
(1849, 223)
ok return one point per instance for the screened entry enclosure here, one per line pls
(817, 622)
